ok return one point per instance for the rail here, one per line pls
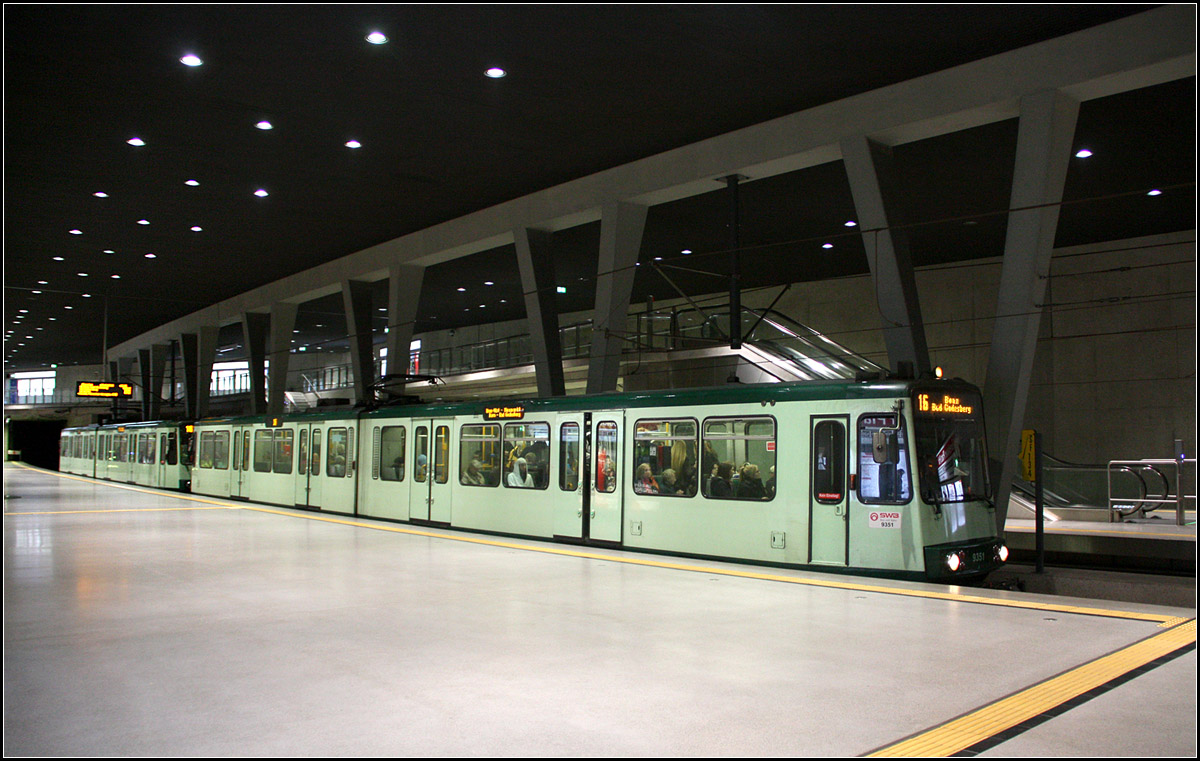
(1119, 508)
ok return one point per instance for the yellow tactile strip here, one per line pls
(647, 561)
(958, 734)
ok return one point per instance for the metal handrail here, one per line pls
(1119, 511)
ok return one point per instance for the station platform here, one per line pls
(147, 623)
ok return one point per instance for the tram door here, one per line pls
(573, 487)
(829, 498)
(239, 473)
(603, 518)
(310, 465)
(429, 496)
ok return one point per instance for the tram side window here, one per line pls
(664, 453)
(264, 443)
(302, 453)
(479, 455)
(889, 481)
(738, 460)
(829, 466)
(335, 462)
(221, 450)
(421, 463)
(205, 457)
(314, 461)
(606, 457)
(527, 455)
(391, 453)
(568, 456)
(284, 438)
(441, 454)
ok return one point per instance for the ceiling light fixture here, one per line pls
(1083, 153)
(377, 38)
(191, 60)
(1155, 192)
(136, 141)
(109, 251)
(100, 194)
(75, 232)
(353, 144)
(151, 256)
(264, 124)
(826, 245)
(196, 228)
(143, 221)
(496, 72)
(261, 193)
(851, 223)
(193, 183)
(58, 258)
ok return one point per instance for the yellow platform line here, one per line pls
(125, 510)
(680, 566)
(987, 722)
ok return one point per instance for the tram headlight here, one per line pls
(1002, 553)
(954, 561)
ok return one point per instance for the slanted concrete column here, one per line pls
(356, 297)
(206, 353)
(188, 349)
(621, 226)
(404, 295)
(1044, 137)
(255, 326)
(143, 359)
(283, 321)
(120, 370)
(159, 354)
(873, 183)
(536, 261)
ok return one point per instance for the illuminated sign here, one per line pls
(105, 389)
(943, 405)
(504, 413)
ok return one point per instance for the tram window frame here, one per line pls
(334, 468)
(540, 477)
(485, 447)
(264, 444)
(302, 453)
(639, 455)
(441, 454)
(568, 458)
(421, 449)
(314, 453)
(706, 437)
(866, 458)
(285, 450)
(829, 483)
(606, 484)
(386, 447)
(221, 450)
(204, 452)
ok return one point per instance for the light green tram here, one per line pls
(151, 454)
(816, 474)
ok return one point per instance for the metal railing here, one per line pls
(1120, 508)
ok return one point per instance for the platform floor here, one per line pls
(141, 623)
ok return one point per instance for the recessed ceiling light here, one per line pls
(22, 311)
(68, 307)
(116, 277)
(196, 228)
(43, 282)
(1155, 192)
(86, 295)
(151, 256)
(35, 291)
(686, 251)
(826, 245)
(143, 221)
(496, 72)
(136, 141)
(81, 274)
(561, 289)
(100, 194)
(1083, 153)
(851, 223)
(658, 258)
(377, 38)
(75, 232)
(109, 251)
(193, 183)
(58, 258)
(488, 282)
(462, 290)
(264, 124)
(191, 60)
(261, 193)
(51, 318)
(353, 144)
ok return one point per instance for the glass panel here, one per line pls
(335, 463)
(568, 456)
(665, 453)
(829, 467)
(421, 463)
(314, 460)
(738, 459)
(606, 457)
(391, 453)
(284, 437)
(205, 459)
(302, 458)
(221, 450)
(527, 455)
(479, 455)
(264, 444)
(441, 454)
(883, 482)
(951, 448)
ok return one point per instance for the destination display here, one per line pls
(943, 404)
(515, 412)
(105, 390)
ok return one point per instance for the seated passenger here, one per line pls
(669, 485)
(751, 486)
(771, 484)
(422, 462)
(520, 477)
(473, 474)
(718, 485)
(645, 483)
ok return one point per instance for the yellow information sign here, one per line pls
(105, 389)
(1027, 455)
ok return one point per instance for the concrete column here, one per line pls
(188, 349)
(404, 295)
(255, 326)
(206, 354)
(356, 297)
(621, 226)
(283, 321)
(158, 364)
(876, 191)
(536, 261)
(143, 360)
(1044, 137)
(121, 371)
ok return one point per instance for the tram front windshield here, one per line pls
(950, 446)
